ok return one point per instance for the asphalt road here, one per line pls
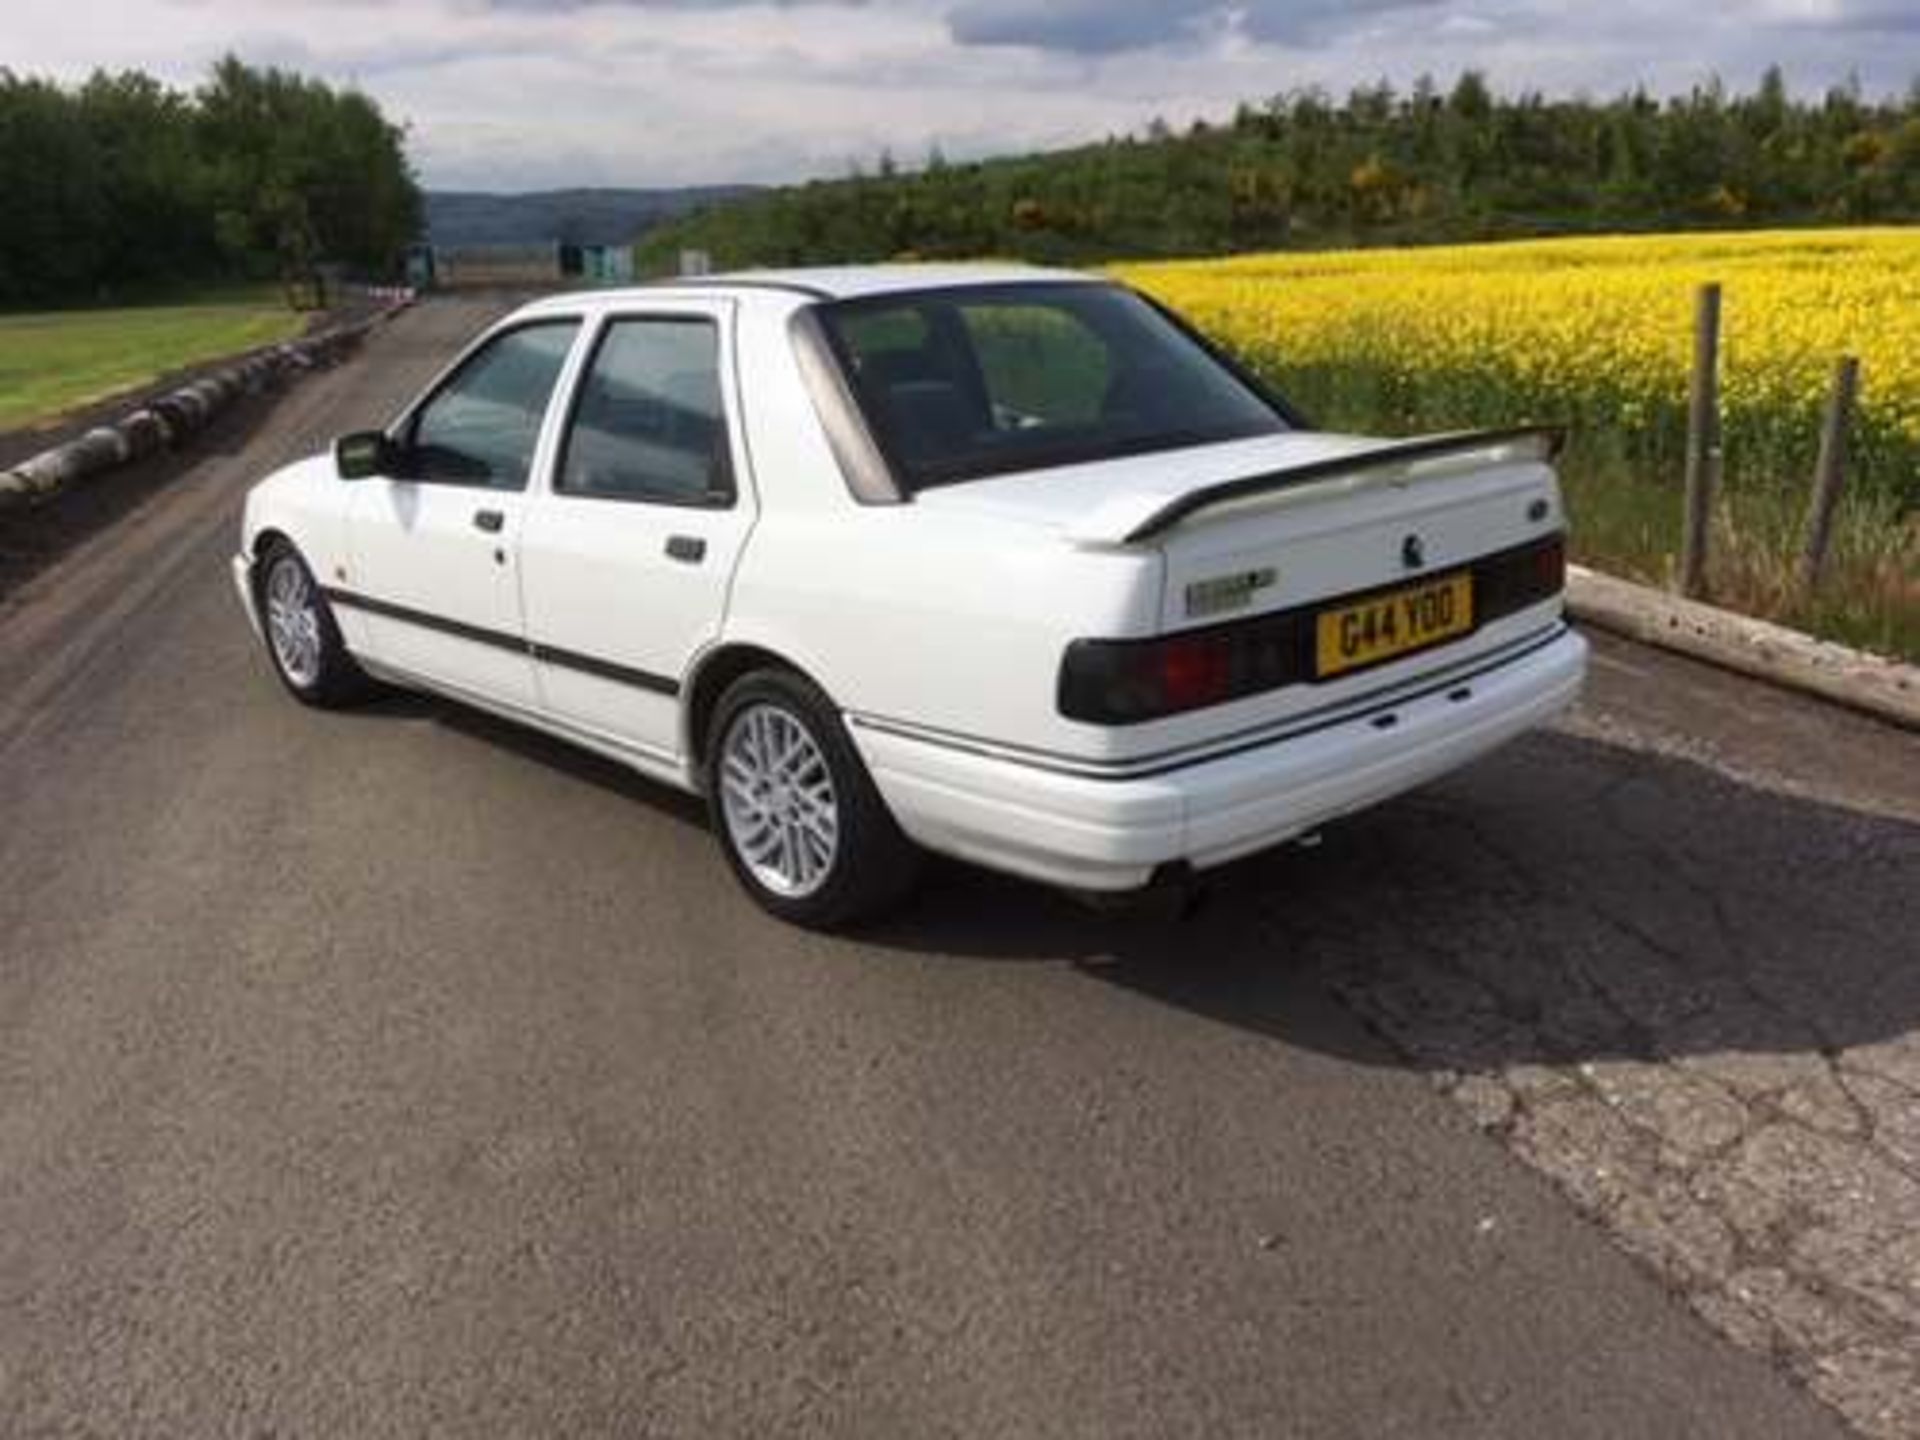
(396, 1073)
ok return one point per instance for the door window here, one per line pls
(649, 423)
(480, 427)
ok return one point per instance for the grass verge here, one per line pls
(55, 362)
(1869, 595)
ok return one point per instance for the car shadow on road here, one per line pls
(545, 750)
(1564, 900)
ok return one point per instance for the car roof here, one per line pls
(847, 282)
(828, 282)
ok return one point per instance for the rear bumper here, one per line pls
(1063, 824)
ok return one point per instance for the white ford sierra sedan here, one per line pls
(1003, 563)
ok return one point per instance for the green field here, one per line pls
(55, 362)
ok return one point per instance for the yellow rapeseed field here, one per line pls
(1596, 331)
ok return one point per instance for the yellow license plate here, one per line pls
(1392, 623)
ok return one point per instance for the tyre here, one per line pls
(303, 642)
(794, 810)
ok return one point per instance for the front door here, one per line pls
(434, 570)
(627, 559)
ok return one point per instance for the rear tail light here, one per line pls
(1517, 578)
(1550, 567)
(1126, 682)
(1121, 682)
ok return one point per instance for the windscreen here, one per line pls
(984, 380)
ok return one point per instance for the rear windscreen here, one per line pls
(983, 380)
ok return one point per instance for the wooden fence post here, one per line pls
(1830, 472)
(1703, 441)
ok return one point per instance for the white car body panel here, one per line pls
(597, 580)
(938, 626)
(416, 546)
(959, 628)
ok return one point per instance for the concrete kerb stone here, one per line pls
(1873, 684)
(169, 420)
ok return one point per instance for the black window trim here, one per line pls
(1296, 419)
(402, 430)
(875, 434)
(607, 321)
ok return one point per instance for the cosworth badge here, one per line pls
(1220, 593)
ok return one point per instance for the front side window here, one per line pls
(649, 423)
(985, 380)
(480, 427)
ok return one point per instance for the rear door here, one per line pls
(433, 570)
(627, 555)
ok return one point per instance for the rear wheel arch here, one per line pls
(791, 803)
(711, 677)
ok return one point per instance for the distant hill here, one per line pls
(580, 217)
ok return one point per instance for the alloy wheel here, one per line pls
(778, 801)
(293, 621)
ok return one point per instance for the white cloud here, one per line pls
(530, 93)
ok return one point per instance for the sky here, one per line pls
(534, 94)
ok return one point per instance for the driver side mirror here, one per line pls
(365, 454)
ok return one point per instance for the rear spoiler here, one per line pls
(1129, 520)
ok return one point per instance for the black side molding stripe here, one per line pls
(546, 654)
(426, 621)
(604, 669)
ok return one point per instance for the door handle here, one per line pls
(689, 549)
(489, 520)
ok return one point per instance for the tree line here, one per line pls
(123, 186)
(1381, 166)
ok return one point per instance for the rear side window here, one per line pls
(480, 427)
(982, 380)
(649, 423)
